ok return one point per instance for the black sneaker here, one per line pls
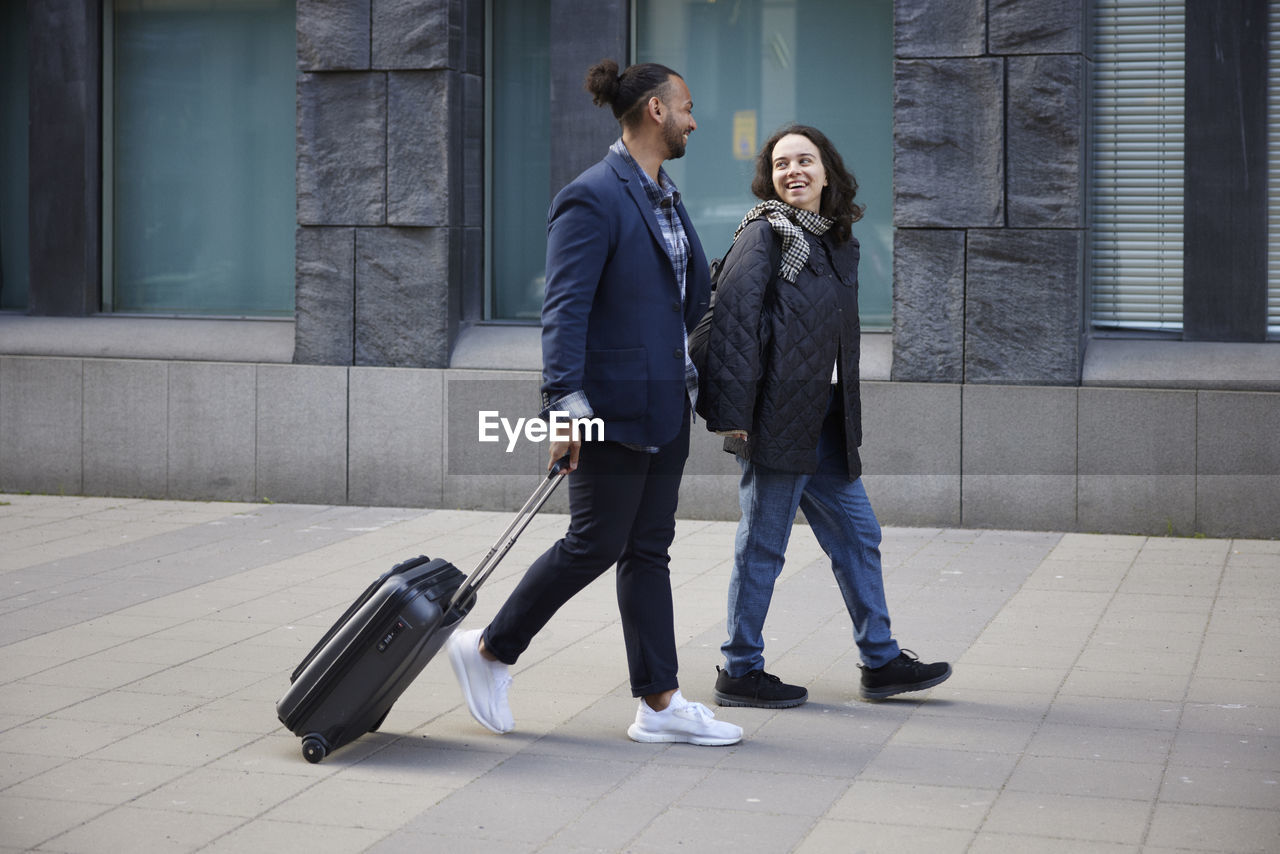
(904, 673)
(758, 689)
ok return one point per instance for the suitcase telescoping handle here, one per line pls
(508, 538)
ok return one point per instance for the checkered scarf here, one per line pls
(787, 221)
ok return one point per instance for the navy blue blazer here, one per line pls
(613, 324)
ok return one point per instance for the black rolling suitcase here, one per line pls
(349, 681)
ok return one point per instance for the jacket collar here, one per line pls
(626, 174)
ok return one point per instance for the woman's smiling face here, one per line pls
(798, 174)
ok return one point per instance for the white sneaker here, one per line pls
(682, 721)
(484, 683)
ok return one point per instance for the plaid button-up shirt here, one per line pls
(664, 197)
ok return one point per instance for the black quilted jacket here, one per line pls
(772, 348)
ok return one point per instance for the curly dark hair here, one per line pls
(628, 92)
(837, 197)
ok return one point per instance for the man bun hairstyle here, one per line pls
(628, 92)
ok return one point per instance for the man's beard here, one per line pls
(674, 138)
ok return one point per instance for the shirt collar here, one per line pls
(660, 192)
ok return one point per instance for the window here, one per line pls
(1186, 237)
(754, 66)
(199, 193)
(519, 163)
(1138, 164)
(14, 264)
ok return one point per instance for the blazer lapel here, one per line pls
(638, 195)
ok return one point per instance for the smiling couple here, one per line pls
(626, 281)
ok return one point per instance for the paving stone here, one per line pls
(1034, 814)
(127, 827)
(1148, 707)
(898, 803)
(1208, 828)
(1056, 775)
(32, 821)
(872, 836)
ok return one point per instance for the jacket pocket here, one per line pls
(617, 383)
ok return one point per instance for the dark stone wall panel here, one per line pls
(1046, 141)
(325, 261)
(333, 35)
(424, 157)
(948, 129)
(935, 28)
(418, 34)
(402, 297)
(1038, 26)
(342, 170)
(928, 305)
(395, 156)
(1023, 306)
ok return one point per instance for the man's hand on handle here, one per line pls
(560, 449)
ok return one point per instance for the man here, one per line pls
(626, 280)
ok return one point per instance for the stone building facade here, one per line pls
(990, 141)
(991, 403)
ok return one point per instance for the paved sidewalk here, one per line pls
(1111, 694)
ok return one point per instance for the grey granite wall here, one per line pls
(990, 137)
(1118, 460)
(389, 140)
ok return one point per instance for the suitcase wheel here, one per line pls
(314, 748)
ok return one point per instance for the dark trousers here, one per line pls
(622, 509)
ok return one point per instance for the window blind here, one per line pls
(1137, 191)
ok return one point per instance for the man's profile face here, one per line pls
(677, 122)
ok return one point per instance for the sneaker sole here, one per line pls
(460, 671)
(748, 702)
(644, 736)
(893, 690)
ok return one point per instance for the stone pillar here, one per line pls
(990, 135)
(389, 141)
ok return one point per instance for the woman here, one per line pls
(781, 383)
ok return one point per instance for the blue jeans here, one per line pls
(845, 526)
